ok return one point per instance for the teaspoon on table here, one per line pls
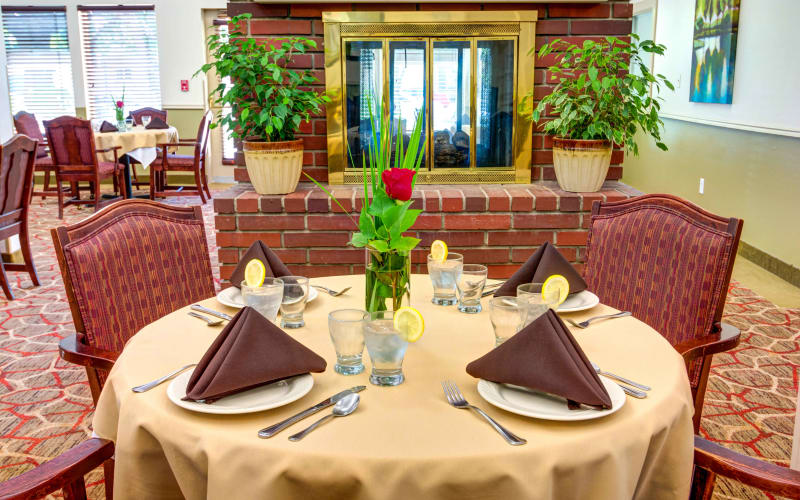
(342, 408)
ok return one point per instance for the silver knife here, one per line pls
(270, 431)
(198, 307)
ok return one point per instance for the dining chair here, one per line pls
(17, 163)
(137, 116)
(123, 268)
(74, 154)
(669, 262)
(195, 163)
(711, 460)
(26, 124)
(65, 473)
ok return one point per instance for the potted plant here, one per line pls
(602, 98)
(268, 98)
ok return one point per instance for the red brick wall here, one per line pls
(575, 22)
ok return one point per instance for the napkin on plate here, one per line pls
(544, 356)
(156, 123)
(250, 351)
(107, 127)
(259, 250)
(545, 262)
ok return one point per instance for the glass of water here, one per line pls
(470, 287)
(508, 316)
(128, 123)
(386, 348)
(146, 120)
(537, 303)
(295, 296)
(444, 276)
(346, 327)
(266, 299)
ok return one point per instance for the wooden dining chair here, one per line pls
(123, 268)
(669, 262)
(26, 124)
(65, 473)
(137, 116)
(17, 163)
(74, 154)
(712, 460)
(195, 163)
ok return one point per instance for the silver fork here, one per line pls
(456, 399)
(146, 387)
(332, 293)
(585, 324)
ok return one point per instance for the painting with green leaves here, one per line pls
(716, 24)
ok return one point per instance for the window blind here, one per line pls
(120, 53)
(39, 65)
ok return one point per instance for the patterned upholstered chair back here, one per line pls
(71, 143)
(131, 264)
(26, 124)
(16, 179)
(151, 112)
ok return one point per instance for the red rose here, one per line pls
(120, 104)
(398, 182)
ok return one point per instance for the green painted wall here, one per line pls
(749, 175)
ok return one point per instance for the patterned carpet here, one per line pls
(46, 408)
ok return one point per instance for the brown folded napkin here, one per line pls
(156, 122)
(107, 127)
(259, 250)
(250, 351)
(545, 262)
(544, 356)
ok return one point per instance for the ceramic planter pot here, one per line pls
(273, 167)
(581, 165)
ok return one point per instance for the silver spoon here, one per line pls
(342, 408)
(209, 321)
(617, 377)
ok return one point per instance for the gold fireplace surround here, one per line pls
(465, 70)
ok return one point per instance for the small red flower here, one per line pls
(120, 104)
(398, 182)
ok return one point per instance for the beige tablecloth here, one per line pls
(403, 442)
(133, 140)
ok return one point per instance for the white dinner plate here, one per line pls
(545, 406)
(260, 398)
(580, 301)
(232, 296)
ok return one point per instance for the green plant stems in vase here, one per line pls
(387, 279)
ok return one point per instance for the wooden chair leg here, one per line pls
(199, 185)
(152, 183)
(108, 474)
(24, 243)
(96, 191)
(46, 183)
(75, 490)
(61, 196)
(4, 282)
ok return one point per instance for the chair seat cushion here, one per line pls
(176, 160)
(105, 167)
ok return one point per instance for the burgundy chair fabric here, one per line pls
(151, 112)
(26, 124)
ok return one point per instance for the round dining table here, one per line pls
(402, 442)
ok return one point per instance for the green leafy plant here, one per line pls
(602, 92)
(269, 99)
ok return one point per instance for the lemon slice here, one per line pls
(408, 321)
(557, 287)
(439, 251)
(254, 273)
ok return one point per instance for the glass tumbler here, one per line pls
(444, 276)
(266, 299)
(386, 348)
(146, 120)
(537, 303)
(346, 327)
(470, 287)
(295, 296)
(508, 316)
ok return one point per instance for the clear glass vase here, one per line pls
(388, 285)
(120, 116)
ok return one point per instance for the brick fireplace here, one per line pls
(498, 225)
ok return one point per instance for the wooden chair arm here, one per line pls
(176, 144)
(748, 470)
(63, 471)
(723, 338)
(74, 351)
(106, 150)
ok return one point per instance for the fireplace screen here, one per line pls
(462, 74)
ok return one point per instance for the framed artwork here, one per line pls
(716, 24)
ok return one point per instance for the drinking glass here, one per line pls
(346, 327)
(128, 123)
(386, 348)
(295, 296)
(538, 304)
(444, 276)
(146, 120)
(470, 287)
(266, 299)
(508, 316)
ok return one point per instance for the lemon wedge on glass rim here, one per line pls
(408, 321)
(439, 251)
(254, 273)
(555, 289)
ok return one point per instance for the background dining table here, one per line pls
(406, 441)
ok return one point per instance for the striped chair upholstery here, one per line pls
(668, 262)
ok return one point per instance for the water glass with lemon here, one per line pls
(543, 296)
(387, 335)
(261, 293)
(445, 270)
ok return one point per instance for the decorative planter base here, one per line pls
(581, 165)
(274, 167)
